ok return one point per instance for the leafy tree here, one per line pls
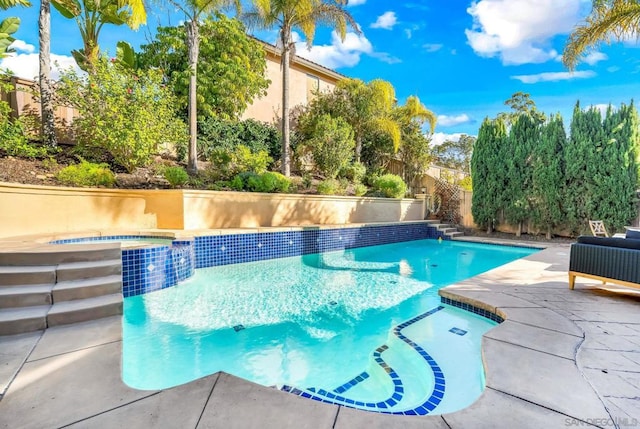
(305, 15)
(455, 154)
(488, 172)
(414, 152)
(521, 103)
(231, 66)
(609, 20)
(129, 115)
(548, 174)
(194, 10)
(331, 145)
(523, 136)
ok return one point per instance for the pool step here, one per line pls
(70, 290)
(25, 296)
(75, 285)
(85, 270)
(59, 254)
(447, 229)
(82, 310)
(27, 275)
(23, 319)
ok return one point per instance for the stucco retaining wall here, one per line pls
(30, 209)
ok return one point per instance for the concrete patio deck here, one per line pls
(561, 359)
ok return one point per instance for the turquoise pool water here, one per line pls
(323, 324)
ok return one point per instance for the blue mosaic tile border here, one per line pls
(382, 407)
(238, 248)
(472, 308)
(349, 384)
(150, 268)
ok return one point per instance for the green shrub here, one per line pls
(391, 186)
(266, 182)
(230, 162)
(176, 176)
(359, 189)
(331, 145)
(354, 172)
(128, 113)
(87, 174)
(13, 140)
(330, 187)
(215, 134)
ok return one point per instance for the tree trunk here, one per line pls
(519, 230)
(286, 149)
(48, 131)
(548, 233)
(193, 44)
(358, 147)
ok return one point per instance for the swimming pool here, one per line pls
(360, 327)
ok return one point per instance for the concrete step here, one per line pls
(25, 275)
(82, 310)
(448, 230)
(85, 270)
(456, 234)
(25, 296)
(441, 225)
(60, 253)
(24, 319)
(87, 288)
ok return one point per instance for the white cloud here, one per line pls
(613, 69)
(449, 121)
(554, 76)
(339, 53)
(26, 66)
(386, 21)
(356, 2)
(22, 46)
(438, 138)
(594, 57)
(520, 31)
(432, 47)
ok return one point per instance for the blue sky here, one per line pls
(461, 58)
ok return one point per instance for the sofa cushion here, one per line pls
(626, 243)
(632, 233)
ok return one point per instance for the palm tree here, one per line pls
(9, 25)
(609, 20)
(194, 9)
(414, 111)
(92, 15)
(47, 129)
(369, 106)
(304, 15)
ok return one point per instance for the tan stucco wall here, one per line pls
(29, 210)
(269, 107)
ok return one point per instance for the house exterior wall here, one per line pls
(304, 77)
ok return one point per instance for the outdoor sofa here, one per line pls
(609, 259)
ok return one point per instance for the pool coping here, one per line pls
(539, 363)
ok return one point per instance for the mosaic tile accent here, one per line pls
(383, 407)
(353, 382)
(472, 308)
(458, 331)
(150, 268)
(238, 248)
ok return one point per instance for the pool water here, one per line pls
(362, 327)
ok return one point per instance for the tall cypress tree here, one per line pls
(615, 181)
(548, 172)
(580, 159)
(487, 173)
(523, 136)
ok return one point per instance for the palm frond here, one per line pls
(609, 20)
(392, 129)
